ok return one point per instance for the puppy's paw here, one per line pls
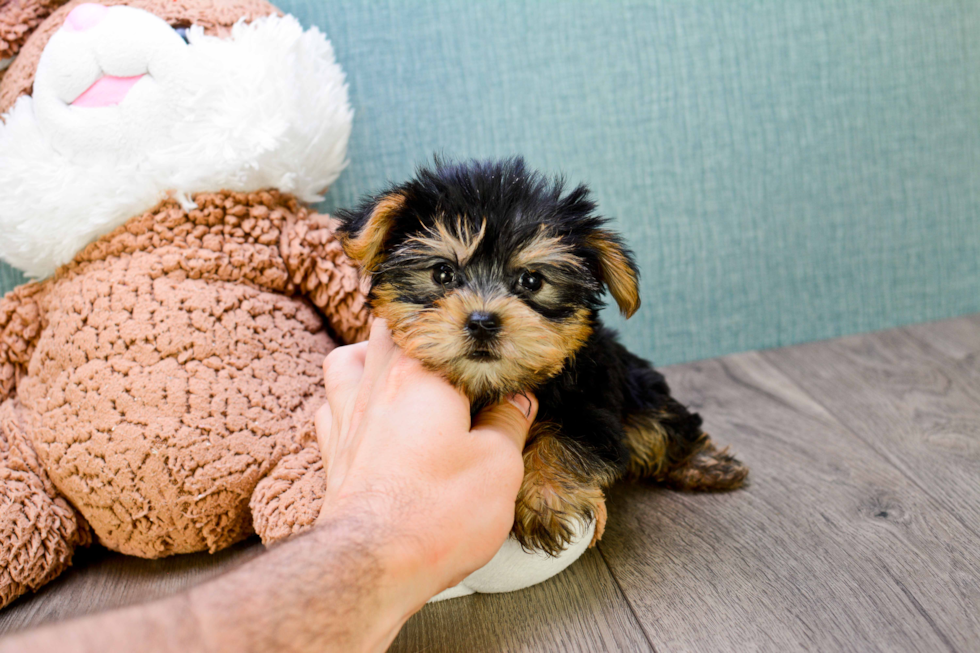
(548, 515)
(600, 523)
(709, 470)
(561, 492)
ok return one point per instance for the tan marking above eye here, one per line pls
(457, 245)
(545, 249)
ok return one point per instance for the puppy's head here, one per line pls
(489, 272)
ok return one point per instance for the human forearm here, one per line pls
(162, 626)
(339, 587)
(348, 585)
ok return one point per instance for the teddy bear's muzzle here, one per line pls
(85, 17)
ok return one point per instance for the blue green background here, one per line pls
(785, 171)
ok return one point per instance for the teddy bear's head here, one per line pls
(109, 108)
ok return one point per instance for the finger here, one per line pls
(380, 349)
(333, 451)
(327, 435)
(342, 372)
(512, 418)
(323, 422)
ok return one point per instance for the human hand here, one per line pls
(398, 447)
(417, 498)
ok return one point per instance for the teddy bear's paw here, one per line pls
(287, 502)
(39, 529)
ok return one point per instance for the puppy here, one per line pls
(492, 275)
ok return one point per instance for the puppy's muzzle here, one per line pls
(483, 326)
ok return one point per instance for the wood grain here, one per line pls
(920, 413)
(958, 339)
(831, 548)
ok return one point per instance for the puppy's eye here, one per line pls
(530, 281)
(444, 274)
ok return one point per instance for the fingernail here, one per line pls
(522, 403)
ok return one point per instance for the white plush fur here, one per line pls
(267, 107)
(513, 568)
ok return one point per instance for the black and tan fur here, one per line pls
(493, 275)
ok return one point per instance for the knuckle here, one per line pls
(505, 420)
(512, 471)
(403, 369)
(337, 360)
(505, 461)
(501, 515)
(324, 413)
(378, 327)
(331, 360)
(333, 379)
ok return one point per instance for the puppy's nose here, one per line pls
(85, 16)
(482, 326)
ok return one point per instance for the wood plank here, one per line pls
(920, 413)
(578, 610)
(831, 548)
(958, 339)
(102, 580)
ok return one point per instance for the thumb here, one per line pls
(511, 417)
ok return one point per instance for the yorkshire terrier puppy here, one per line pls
(492, 275)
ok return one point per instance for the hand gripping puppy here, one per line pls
(493, 276)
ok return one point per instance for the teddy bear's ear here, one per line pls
(18, 19)
(363, 232)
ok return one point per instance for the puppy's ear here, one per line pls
(363, 232)
(617, 270)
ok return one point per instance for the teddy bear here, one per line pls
(158, 383)
(158, 379)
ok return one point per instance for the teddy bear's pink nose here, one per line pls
(85, 16)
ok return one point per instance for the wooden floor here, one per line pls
(860, 531)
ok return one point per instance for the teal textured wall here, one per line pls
(9, 277)
(785, 170)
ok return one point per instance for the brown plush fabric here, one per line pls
(39, 530)
(20, 327)
(168, 369)
(321, 271)
(18, 18)
(215, 16)
(288, 500)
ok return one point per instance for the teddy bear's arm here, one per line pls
(20, 327)
(320, 270)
